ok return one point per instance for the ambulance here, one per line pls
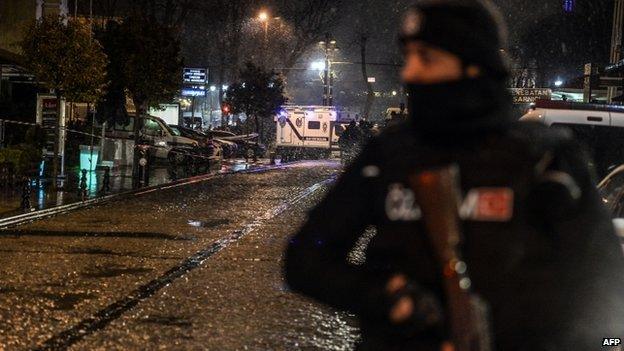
(310, 131)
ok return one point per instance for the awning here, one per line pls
(10, 58)
(12, 68)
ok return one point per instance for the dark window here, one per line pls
(314, 125)
(122, 127)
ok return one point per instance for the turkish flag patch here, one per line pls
(488, 205)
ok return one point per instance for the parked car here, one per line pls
(247, 146)
(208, 147)
(611, 191)
(221, 134)
(230, 148)
(250, 149)
(166, 143)
(599, 127)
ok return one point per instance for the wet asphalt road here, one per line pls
(196, 267)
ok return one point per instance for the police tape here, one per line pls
(30, 124)
(17, 122)
(9, 121)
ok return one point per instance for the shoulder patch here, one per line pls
(488, 205)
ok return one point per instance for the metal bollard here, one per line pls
(188, 170)
(173, 167)
(4, 175)
(26, 192)
(195, 165)
(106, 181)
(83, 185)
(143, 166)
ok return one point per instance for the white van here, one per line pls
(310, 130)
(600, 127)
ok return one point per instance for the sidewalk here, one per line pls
(42, 197)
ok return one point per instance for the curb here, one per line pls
(49, 212)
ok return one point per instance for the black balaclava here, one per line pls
(472, 30)
(465, 107)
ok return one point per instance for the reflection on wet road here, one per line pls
(194, 267)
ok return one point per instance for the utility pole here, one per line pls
(264, 18)
(329, 46)
(266, 42)
(616, 41)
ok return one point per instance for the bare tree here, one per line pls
(310, 20)
(213, 37)
(362, 36)
(171, 13)
(370, 93)
(108, 9)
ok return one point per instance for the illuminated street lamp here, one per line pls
(317, 66)
(264, 18)
(558, 83)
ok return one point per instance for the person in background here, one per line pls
(349, 142)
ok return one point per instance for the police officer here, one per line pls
(539, 246)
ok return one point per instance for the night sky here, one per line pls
(541, 33)
(542, 36)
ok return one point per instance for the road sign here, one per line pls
(49, 123)
(530, 95)
(194, 91)
(372, 79)
(195, 75)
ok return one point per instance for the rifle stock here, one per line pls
(438, 194)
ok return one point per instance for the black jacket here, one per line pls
(553, 274)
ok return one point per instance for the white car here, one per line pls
(599, 127)
(551, 113)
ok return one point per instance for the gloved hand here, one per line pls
(402, 309)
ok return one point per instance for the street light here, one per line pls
(317, 66)
(264, 18)
(558, 83)
(330, 48)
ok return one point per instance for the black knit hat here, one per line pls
(471, 29)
